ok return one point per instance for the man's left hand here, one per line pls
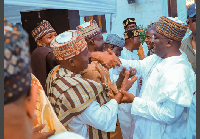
(44, 135)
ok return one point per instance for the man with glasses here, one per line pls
(189, 44)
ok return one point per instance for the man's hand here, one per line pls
(140, 82)
(132, 72)
(127, 97)
(44, 135)
(121, 78)
(127, 84)
(107, 59)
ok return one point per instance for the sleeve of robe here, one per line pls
(101, 117)
(140, 65)
(174, 93)
(168, 112)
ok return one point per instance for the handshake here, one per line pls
(123, 96)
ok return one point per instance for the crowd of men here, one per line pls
(77, 85)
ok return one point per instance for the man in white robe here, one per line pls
(161, 110)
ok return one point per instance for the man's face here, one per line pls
(117, 50)
(131, 26)
(191, 23)
(159, 43)
(46, 40)
(148, 38)
(99, 42)
(107, 45)
(136, 42)
(81, 61)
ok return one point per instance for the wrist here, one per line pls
(118, 97)
(132, 97)
(94, 56)
(119, 82)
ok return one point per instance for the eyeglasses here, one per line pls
(191, 21)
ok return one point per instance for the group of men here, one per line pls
(100, 89)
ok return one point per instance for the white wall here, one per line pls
(144, 11)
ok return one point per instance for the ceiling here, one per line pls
(12, 8)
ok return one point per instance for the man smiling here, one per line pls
(166, 94)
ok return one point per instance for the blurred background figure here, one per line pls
(188, 45)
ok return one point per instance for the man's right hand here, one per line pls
(107, 59)
(44, 135)
(127, 97)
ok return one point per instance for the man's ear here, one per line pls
(92, 41)
(169, 43)
(31, 101)
(39, 43)
(71, 62)
(112, 47)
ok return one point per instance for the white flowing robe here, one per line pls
(161, 110)
(100, 117)
(124, 112)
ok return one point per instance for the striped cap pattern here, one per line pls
(171, 29)
(89, 31)
(41, 30)
(68, 49)
(131, 33)
(128, 21)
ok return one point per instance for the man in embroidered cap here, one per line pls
(81, 104)
(95, 70)
(161, 109)
(19, 97)
(114, 43)
(128, 24)
(42, 58)
(188, 45)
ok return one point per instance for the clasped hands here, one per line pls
(123, 96)
(109, 60)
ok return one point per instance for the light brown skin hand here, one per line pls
(132, 71)
(44, 135)
(108, 58)
(126, 85)
(115, 61)
(127, 97)
(121, 78)
(119, 81)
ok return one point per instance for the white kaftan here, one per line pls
(103, 118)
(161, 110)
